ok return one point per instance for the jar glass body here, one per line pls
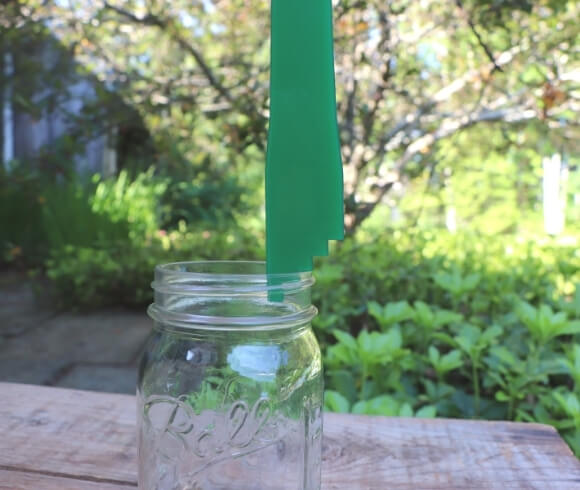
(230, 384)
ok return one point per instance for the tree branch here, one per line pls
(167, 26)
(350, 113)
(448, 127)
(146, 20)
(480, 41)
(411, 121)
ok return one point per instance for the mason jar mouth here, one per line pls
(230, 294)
(237, 277)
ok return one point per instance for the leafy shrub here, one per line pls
(454, 326)
(121, 273)
(40, 214)
(99, 241)
(412, 323)
(203, 200)
(90, 276)
(20, 217)
(133, 202)
(69, 219)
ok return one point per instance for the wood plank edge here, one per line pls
(69, 476)
(19, 387)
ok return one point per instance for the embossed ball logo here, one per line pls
(231, 429)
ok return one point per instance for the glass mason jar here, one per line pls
(230, 385)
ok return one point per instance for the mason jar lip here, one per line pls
(243, 277)
(170, 267)
(200, 322)
(208, 281)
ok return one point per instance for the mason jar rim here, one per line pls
(214, 280)
(171, 277)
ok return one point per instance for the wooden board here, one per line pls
(22, 480)
(78, 433)
(50, 437)
(389, 453)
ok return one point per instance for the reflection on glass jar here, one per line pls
(230, 384)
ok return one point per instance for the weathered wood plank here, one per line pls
(384, 453)
(20, 480)
(91, 436)
(68, 431)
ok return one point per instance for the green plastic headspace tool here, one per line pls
(304, 183)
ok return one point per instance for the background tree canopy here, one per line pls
(425, 88)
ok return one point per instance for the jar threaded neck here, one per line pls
(230, 295)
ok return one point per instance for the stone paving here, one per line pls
(95, 351)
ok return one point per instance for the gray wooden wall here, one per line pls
(33, 134)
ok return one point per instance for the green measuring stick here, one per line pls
(304, 183)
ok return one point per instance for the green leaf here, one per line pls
(423, 314)
(366, 345)
(329, 273)
(500, 396)
(569, 403)
(335, 402)
(446, 339)
(397, 312)
(470, 282)
(570, 328)
(433, 355)
(376, 348)
(394, 338)
(405, 410)
(343, 381)
(360, 408)
(572, 307)
(445, 317)
(504, 355)
(489, 334)
(573, 439)
(346, 339)
(427, 412)
(449, 282)
(383, 405)
(451, 360)
(343, 354)
(376, 311)
(467, 339)
(528, 316)
(541, 414)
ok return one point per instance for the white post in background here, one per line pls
(450, 211)
(7, 113)
(564, 174)
(554, 195)
(451, 219)
(110, 153)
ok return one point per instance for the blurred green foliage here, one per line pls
(416, 322)
(20, 217)
(120, 274)
(136, 203)
(98, 241)
(413, 321)
(429, 323)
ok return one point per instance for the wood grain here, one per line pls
(21, 480)
(389, 453)
(50, 437)
(68, 431)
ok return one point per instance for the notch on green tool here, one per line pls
(304, 186)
